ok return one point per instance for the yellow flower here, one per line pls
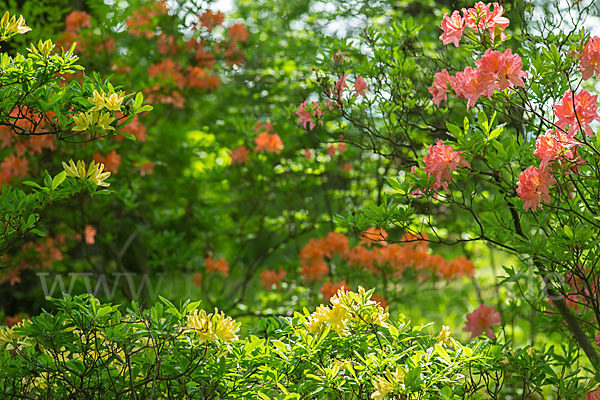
(76, 171)
(211, 327)
(103, 120)
(445, 336)
(82, 121)
(11, 338)
(95, 174)
(111, 102)
(10, 26)
(382, 388)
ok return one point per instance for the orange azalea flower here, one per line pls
(482, 320)
(329, 289)
(90, 234)
(216, 266)
(380, 299)
(313, 269)
(239, 155)
(374, 235)
(146, 168)
(269, 278)
(336, 244)
(197, 279)
(111, 161)
(209, 20)
(271, 143)
(135, 128)
(77, 20)
(238, 33)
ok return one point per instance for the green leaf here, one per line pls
(495, 133)
(139, 101)
(58, 179)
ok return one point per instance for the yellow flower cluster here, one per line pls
(445, 336)
(347, 308)
(43, 49)
(387, 383)
(102, 100)
(94, 117)
(10, 26)
(11, 338)
(93, 174)
(212, 327)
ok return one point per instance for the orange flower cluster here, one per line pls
(270, 278)
(209, 20)
(33, 255)
(373, 253)
(140, 23)
(267, 142)
(213, 266)
(329, 289)
(135, 128)
(312, 256)
(111, 161)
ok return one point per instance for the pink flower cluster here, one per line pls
(551, 146)
(533, 187)
(495, 71)
(482, 320)
(577, 111)
(309, 115)
(440, 160)
(590, 58)
(479, 18)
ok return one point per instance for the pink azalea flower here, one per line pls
(453, 27)
(533, 187)
(592, 395)
(500, 71)
(482, 17)
(590, 58)
(597, 340)
(468, 85)
(89, 234)
(340, 85)
(439, 89)
(360, 86)
(584, 113)
(481, 320)
(440, 160)
(308, 117)
(549, 147)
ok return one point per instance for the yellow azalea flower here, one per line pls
(114, 101)
(211, 327)
(75, 171)
(97, 100)
(10, 26)
(82, 121)
(103, 120)
(382, 388)
(96, 176)
(445, 336)
(93, 174)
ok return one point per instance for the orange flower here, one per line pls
(77, 20)
(269, 278)
(336, 244)
(135, 128)
(239, 155)
(209, 20)
(329, 289)
(197, 279)
(111, 161)
(314, 269)
(380, 299)
(146, 168)
(89, 234)
(271, 143)
(216, 266)
(238, 33)
(374, 235)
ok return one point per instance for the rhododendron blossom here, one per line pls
(270, 143)
(270, 278)
(533, 187)
(329, 289)
(550, 146)
(239, 155)
(213, 266)
(340, 86)
(307, 115)
(592, 395)
(453, 27)
(481, 17)
(440, 160)
(482, 320)
(360, 86)
(584, 113)
(590, 58)
(439, 89)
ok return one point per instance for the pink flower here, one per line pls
(453, 27)
(308, 117)
(592, 395)
(340, 85)
(533, 187)
(360, 86)
(499, 71)
(510, 71)
(585, 112)
(549, 147)
(481, 17)
(89, 234)
(467, 85)
(481, 320)
(590, 58)
(440, 160)
(597, 340)
(439, 89)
